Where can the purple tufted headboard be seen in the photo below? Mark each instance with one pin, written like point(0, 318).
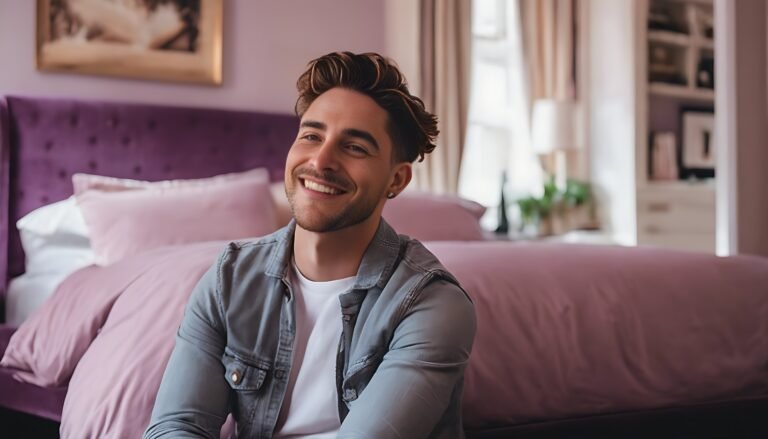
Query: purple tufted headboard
point(44, 141)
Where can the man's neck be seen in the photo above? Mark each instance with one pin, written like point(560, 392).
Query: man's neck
point(332, 255)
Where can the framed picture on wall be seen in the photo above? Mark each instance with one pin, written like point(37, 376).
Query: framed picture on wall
point(697, 155)
point(171, 40)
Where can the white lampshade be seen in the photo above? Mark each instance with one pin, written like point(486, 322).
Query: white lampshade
point(553, 125)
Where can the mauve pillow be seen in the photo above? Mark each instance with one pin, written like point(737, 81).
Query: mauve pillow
point(83, 182)
point(283, 212)
point(125, 223)
point(430, 217)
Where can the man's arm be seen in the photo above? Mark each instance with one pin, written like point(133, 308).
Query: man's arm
point(193, 396)
point(410, 392)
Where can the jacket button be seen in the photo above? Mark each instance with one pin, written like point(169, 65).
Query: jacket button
point(236, 376)
point(279, 374)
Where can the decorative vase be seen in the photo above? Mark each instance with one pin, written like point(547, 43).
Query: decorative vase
point(503, 227)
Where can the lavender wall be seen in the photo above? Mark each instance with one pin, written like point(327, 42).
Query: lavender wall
point(741, 126)
point(266, 46)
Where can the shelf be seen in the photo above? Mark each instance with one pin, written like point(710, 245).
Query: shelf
point(682, 92)
point(707, 185)
point(676, 38)
point(680, 39)
point(704, 43)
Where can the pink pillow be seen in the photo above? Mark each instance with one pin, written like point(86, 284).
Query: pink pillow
point(83, 182)
point(282, 206)
point(128, 222)
point(429, 217)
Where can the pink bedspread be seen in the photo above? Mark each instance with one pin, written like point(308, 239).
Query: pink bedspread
point(112, 390)
point(563, 331)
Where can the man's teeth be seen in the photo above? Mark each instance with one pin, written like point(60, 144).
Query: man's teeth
point(320, 188)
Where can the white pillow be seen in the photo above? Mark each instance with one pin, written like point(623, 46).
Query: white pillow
point(56, 244)
point(55, 218)
point(55, 238)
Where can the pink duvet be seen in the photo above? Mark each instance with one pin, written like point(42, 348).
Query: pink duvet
point(563, 331)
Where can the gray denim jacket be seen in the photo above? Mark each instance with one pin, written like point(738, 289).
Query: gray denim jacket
point(407, 334)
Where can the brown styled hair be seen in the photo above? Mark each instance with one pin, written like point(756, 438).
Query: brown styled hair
point(412, 128)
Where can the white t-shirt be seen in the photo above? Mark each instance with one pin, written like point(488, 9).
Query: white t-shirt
point(310, 407)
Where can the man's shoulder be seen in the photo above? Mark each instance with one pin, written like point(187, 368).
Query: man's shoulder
point(257, 255)
point(238, 251)
point(423, 268)
point(417, 256)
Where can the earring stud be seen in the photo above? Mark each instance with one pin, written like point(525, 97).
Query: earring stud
point(391, 195)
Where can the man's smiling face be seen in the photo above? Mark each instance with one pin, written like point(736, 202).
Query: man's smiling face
point(340, 167)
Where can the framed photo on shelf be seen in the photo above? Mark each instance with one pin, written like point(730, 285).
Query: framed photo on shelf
point(697, 152)
point(174, 40)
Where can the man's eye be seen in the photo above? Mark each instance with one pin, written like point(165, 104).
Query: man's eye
point(357, 149)
point(311, 137)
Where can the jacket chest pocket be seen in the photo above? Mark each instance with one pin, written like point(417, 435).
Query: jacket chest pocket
point(246, 380)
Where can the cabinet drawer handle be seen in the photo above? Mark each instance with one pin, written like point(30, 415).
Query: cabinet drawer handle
point(658, 207)
point(653, 230)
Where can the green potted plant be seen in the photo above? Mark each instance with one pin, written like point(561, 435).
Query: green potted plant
point(555, 211)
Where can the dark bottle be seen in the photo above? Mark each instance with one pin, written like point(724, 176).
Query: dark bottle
point(503, 226)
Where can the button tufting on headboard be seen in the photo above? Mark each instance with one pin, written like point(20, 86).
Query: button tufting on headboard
point(50, 139)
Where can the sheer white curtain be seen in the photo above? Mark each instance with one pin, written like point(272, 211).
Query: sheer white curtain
point(498, 134)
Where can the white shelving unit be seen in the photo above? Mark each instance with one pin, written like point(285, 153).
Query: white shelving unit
point(673, 214)
point(681, 92)
point(625, 104)
point(622, 107)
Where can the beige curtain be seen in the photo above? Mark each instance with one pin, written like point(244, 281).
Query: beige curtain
point(549, 29)
point(444, 64)
point(549, 56)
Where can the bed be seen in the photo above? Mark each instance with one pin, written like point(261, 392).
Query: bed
point(612, 342)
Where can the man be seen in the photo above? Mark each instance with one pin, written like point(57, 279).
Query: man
point(264, 337)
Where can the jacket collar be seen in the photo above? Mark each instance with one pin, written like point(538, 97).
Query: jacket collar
point(376, 266)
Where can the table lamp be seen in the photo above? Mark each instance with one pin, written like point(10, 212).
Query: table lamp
point(552, 133)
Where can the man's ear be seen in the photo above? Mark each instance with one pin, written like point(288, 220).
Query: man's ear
point(401, 176)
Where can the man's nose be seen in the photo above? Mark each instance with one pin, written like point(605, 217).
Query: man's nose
point(325, 157)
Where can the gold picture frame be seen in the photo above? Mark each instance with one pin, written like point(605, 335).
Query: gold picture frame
point(170, 40)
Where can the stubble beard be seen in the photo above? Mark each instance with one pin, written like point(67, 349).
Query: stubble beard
point(352, 214)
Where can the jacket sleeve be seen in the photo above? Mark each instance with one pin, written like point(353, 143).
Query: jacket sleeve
point(193, 400)
point(422, 374)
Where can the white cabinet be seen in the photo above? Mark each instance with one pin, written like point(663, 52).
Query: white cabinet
point(677, 217)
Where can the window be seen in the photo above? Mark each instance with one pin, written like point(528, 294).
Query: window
point(497, 132)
